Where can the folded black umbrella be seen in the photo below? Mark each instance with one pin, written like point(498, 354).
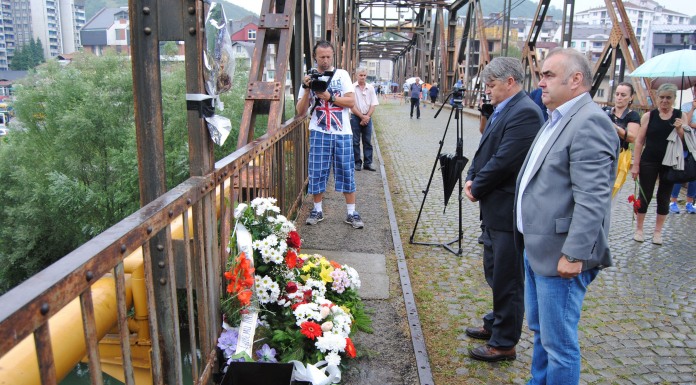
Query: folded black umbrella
point(451, 166)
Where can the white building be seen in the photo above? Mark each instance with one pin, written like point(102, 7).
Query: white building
point(641, 13)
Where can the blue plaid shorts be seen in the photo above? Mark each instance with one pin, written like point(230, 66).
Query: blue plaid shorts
point(325, 151)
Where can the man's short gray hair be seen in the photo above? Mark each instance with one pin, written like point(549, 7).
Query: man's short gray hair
point(502, 68)
point(360, 70)
point(577, 62)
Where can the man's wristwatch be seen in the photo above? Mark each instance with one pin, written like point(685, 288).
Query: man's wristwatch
point(332, 98)
point(571, 259)
point(305, 86)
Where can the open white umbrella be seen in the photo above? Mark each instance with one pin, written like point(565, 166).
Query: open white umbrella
point(678, 67)
point(413, 80)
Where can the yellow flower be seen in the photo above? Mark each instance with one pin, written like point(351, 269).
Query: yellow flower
point(326, 274)
point(345, 309)
point(308, 266)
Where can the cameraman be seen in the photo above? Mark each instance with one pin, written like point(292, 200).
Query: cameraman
point(330, 135)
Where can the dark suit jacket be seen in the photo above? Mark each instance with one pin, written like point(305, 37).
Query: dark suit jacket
point(566, 206)
point(500, 155)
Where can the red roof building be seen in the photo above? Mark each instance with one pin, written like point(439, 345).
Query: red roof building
point(246, 33)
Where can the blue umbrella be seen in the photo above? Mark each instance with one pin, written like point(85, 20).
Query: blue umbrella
point(678, 67)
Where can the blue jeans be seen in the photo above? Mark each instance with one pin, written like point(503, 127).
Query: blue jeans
point(363, 133)
point(553, 305)
point(690, 190)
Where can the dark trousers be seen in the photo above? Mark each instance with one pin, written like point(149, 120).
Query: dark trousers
point(649, 172)
point(415, 102)
point(504, 271)
point(363, 133)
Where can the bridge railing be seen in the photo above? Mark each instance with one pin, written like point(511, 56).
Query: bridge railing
point(98, 272)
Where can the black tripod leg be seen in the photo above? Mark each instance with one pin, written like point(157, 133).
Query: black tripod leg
point(430, 180)
point(459, 152)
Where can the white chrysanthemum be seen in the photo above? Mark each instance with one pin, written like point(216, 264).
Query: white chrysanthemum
point(282, 246)
point(333, 359)
point(287, 227)
point(240, 210)
point(263, 297)
point(354, 277)
point(341, 322)
point(266, 282)
point(330, 342)
point(318, 288)
point(305, 312)
point(276, 257)
point(272, 240)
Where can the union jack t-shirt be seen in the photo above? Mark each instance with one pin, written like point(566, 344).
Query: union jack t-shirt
point(329, 117)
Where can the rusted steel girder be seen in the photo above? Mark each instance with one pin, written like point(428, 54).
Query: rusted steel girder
point(623, 46)
point(276, 25)
point(145, 32)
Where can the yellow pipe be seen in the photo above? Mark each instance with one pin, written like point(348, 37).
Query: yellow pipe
point(20, 365)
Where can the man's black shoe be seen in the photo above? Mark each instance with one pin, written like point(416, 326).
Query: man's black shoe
point(493, 354)
point(369, 168)
point(358, 166)
point(479, 333)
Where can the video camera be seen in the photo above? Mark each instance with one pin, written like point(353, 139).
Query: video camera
point(319, 82)
point(457, 95)
point(486, 106)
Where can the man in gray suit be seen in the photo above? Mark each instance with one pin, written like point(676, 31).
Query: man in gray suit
point(491, 181)
point(562, 213)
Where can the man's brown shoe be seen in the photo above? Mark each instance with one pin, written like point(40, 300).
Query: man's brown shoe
point(493, 354)
point(480, 333)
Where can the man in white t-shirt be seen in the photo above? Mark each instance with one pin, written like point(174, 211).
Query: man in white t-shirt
point(361, 120)
point(330, 135)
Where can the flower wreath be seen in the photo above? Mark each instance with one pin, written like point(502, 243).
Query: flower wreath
point(308, 307)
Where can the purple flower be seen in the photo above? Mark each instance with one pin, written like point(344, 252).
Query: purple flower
point(266, 354)
point(228, 341)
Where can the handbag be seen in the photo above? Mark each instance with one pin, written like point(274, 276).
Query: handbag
point(624, 164)
point(688, 174)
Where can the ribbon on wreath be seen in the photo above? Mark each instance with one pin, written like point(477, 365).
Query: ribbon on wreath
point(330, 374)
point(247, 327)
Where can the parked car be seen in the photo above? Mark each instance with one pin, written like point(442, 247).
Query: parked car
point(3, 131)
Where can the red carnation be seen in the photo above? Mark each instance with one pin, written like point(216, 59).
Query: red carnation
point(294, 239)
point(291, 259)
point(631, 198)
point(311, 329)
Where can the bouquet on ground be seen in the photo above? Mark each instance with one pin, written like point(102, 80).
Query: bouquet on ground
point(307, 306)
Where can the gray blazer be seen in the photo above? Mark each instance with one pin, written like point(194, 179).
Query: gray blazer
point(567, 202)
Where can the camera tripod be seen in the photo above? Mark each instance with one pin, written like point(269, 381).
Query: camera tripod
point(452, 176)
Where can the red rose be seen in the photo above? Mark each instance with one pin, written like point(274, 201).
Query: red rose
point(291, 287)
point(294, 239)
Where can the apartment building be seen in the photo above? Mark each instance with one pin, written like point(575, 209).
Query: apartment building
point(56, 23)
point(643, 14)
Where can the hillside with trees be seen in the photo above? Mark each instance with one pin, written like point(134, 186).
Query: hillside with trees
point(232, 11)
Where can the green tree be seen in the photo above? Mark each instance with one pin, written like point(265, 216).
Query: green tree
point(27, 56)
point(70, 170)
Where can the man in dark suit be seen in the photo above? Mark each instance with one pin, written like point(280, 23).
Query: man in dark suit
point(491, 181)
point(562, 213)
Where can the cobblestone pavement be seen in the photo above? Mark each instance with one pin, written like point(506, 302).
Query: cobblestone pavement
point(638, 323)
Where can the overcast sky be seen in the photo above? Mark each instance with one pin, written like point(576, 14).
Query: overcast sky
point(684, 6)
